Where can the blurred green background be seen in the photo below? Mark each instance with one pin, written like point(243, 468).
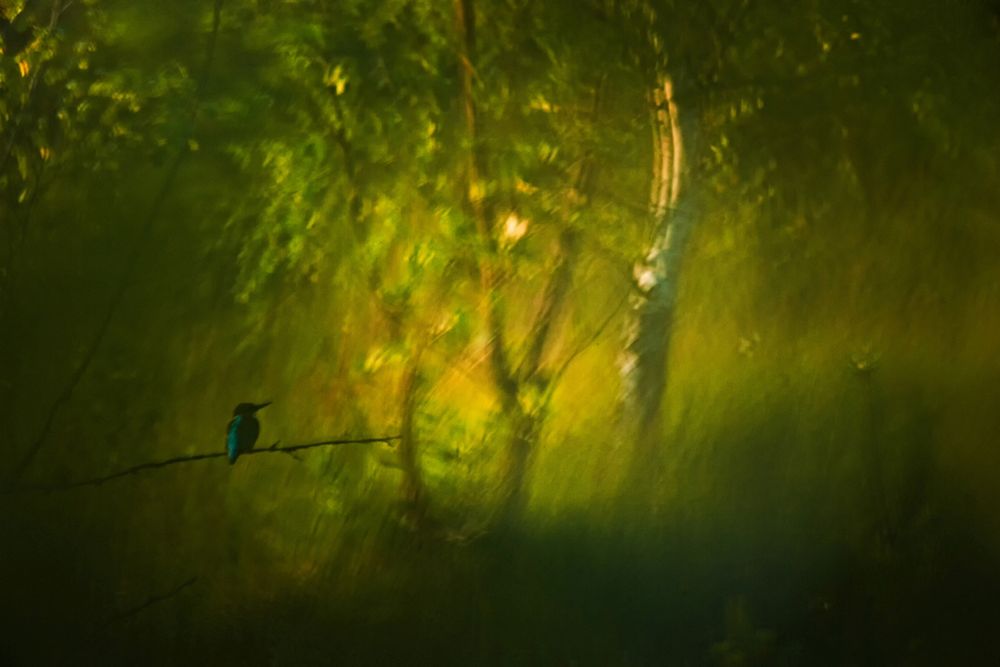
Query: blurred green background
point(686, 314)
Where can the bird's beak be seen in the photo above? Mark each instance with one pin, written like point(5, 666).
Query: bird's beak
point(258, 406)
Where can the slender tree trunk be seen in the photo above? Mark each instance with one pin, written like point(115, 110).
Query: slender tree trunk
point(528, 417)
point(507, 384)
point(413, 493)
point(525, 429)
point(644, 362)
point(478, 206)
point(518, 389)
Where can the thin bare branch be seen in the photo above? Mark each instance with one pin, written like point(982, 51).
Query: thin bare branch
point(152, 600)
point(273, 449)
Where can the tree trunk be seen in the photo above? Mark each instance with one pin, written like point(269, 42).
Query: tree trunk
point(519, 389)
point(414, 496)
point(525, 429)
point(643, 365)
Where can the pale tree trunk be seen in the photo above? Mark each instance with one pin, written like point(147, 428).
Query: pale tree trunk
point(643, 364)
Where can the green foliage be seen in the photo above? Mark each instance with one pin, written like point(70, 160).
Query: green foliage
point(317, 247)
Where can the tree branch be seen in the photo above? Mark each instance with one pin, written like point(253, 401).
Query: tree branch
point(97, 481)
point(590, 340)
point(151, 600)
point(562, 276)
point(555, 293)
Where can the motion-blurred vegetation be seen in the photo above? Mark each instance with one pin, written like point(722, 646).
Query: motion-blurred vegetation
point(685, 313)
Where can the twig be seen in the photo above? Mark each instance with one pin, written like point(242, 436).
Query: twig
point(97, 481)
point(590, 340)
point(151, 600)
point(70, 387)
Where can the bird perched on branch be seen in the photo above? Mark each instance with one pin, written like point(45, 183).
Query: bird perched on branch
point(243, 429)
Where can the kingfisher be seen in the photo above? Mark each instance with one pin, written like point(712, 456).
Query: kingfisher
point(243, 429)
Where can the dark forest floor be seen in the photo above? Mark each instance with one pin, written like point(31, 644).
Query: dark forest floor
point(567, 599)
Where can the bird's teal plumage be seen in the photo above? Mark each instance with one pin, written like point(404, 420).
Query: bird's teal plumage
point(232, 438)
point(243, 429)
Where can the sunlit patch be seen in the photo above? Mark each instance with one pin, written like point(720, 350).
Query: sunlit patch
point(646, 279)
point(747, 345)
point(23, 67)
point(627, 362)
point(336, 78)
point(476, 191)
point(866, 359)
point(539, 103)
point(525, 187)
point(514, 228)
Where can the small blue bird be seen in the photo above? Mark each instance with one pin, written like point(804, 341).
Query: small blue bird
point(243, 429)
